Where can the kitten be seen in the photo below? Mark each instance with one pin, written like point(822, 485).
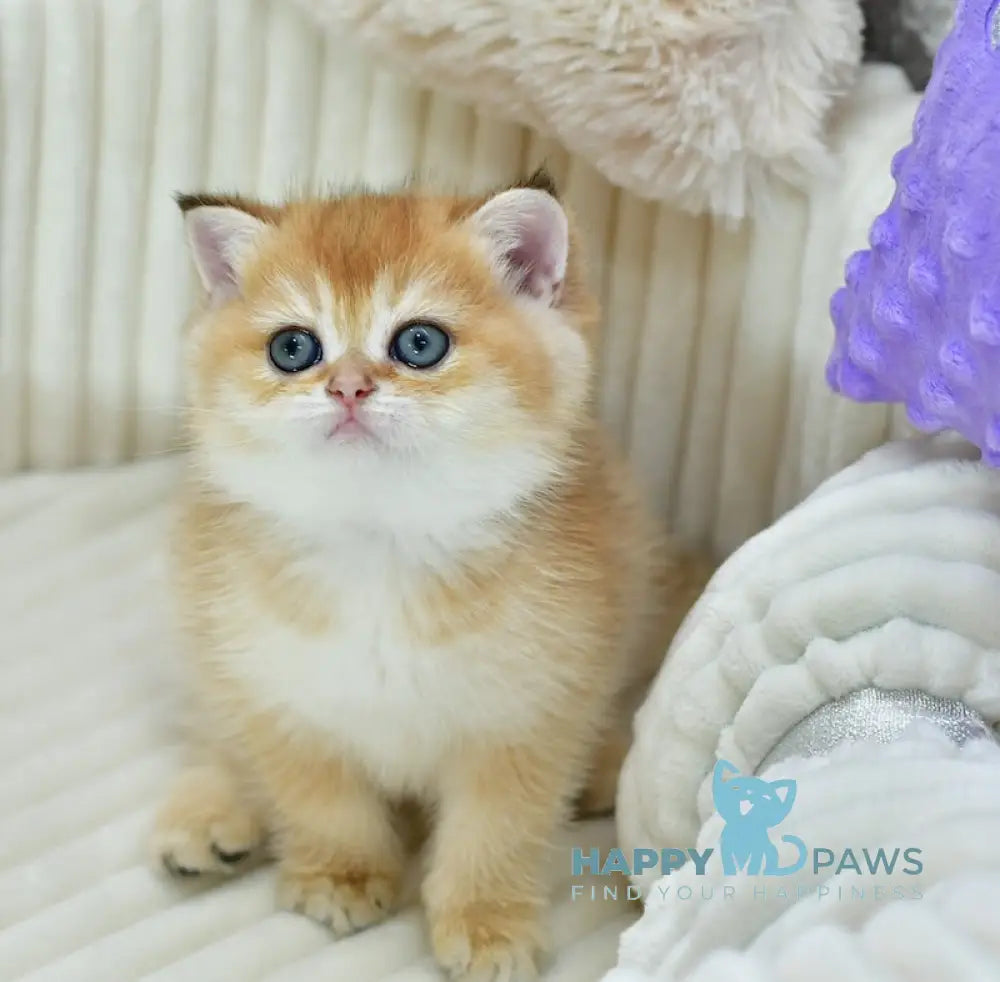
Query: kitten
point(408, 565)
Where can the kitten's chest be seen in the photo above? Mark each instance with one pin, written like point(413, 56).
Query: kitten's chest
point(380, 673)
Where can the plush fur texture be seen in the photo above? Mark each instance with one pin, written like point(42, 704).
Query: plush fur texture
point(697, 102)
point(431, 586)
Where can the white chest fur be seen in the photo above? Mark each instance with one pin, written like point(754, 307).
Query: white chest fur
point(396, 702)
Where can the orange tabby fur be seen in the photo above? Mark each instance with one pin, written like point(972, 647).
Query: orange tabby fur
point(494, 673)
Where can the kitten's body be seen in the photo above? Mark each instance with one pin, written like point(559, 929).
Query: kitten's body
point(412, 649)
point(455, 601)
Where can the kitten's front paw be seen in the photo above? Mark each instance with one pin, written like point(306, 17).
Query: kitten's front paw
point(487, 942)
point(204, 826)
point(346, 900)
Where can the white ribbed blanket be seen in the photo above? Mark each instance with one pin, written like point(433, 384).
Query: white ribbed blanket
point(921, 792)
point(86, 746)
point(888, 575)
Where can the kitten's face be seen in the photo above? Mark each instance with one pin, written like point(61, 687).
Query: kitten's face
point(386, 339)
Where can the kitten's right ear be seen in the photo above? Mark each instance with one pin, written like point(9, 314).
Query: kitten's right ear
point(528, 237)
point(222, 237)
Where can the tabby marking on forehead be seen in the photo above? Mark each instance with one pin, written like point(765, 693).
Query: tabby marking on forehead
point(300, 306)
point(392, 307)
point(287, 304)
point(325, 302)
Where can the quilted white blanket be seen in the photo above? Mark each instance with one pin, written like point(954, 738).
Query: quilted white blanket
point(86, 744)
point(921, 793)
point(888, 575)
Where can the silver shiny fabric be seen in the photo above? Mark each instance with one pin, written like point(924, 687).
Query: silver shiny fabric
point(995, 29)
point(876, 714)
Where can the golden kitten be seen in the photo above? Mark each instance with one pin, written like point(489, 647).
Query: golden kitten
point(408, 565)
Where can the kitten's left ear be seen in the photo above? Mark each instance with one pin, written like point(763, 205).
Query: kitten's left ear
point(222, 237)
point(527, 233)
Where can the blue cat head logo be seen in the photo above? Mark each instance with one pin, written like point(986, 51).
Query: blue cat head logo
point(749, 807)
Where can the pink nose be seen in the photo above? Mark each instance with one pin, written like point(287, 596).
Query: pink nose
point(350, 387)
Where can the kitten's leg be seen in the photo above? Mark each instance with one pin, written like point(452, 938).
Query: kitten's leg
point(601, 788)
point(340, 857)
point(680, 580)
point(487, 887)
point(206, 825)
point(598, 794)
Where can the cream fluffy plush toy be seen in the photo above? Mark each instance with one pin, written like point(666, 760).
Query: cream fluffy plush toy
point(697, 102)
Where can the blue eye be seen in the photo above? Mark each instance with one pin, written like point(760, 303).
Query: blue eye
point(419, 345)
point(294, 349)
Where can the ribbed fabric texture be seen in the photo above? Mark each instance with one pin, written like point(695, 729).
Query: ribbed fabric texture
point(885, 576)
point(921, 792)
point(86, 752)
point(712, 368)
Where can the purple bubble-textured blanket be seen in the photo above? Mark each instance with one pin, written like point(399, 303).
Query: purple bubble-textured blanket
point(918, 320)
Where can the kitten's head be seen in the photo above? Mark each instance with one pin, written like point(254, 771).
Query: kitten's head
point(402, 351)
point(741, 798)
